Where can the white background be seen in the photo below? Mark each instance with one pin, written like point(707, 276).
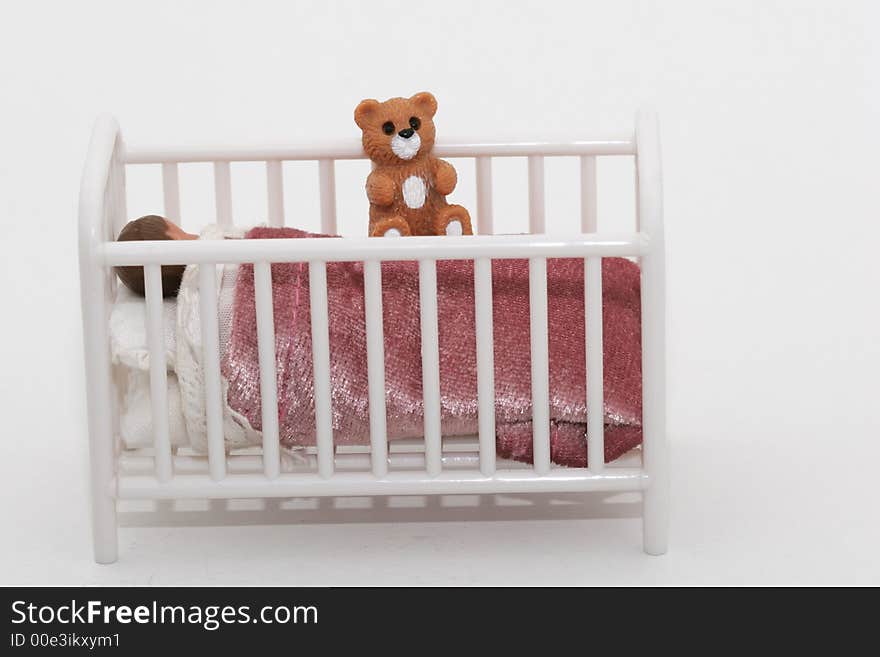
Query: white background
point(769, 125)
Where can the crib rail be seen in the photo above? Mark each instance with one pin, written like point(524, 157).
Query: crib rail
point(328, 249)
point(379, 471)
point(393, 483)
point(326, 156)
point(622, 144)
point(458, 453)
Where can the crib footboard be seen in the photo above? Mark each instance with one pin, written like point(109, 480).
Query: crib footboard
point(433, 465)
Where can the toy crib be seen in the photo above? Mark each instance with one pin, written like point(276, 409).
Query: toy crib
point(432, 466)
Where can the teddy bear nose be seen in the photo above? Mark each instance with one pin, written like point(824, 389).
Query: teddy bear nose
point(406, 134)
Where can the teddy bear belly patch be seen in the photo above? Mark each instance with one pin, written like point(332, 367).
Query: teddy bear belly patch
point(414, 192)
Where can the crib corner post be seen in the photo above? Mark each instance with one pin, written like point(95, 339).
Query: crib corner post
point(655, 445)
point(102, 450)
point(101, 435)
point(101, 209)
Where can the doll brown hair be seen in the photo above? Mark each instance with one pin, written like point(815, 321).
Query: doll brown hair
point(151, 227)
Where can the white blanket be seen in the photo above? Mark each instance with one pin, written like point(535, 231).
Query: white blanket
point(190, 361)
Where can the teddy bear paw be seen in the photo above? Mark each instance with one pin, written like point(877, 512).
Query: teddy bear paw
point(453, 220)
point(394, 226)
point(453, 227)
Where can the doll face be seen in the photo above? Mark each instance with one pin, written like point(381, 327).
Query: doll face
point(175, 232)
point(399, 129)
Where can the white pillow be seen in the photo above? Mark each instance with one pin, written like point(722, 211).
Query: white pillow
point(136, 411)
point(128, 330)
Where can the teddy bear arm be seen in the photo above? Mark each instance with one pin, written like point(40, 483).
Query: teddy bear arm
point(380, 189)
point(445, 177)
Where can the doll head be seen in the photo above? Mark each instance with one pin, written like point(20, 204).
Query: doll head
point(399, 129)
point(152, 227)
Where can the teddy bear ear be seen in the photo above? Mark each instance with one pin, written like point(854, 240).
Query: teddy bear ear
point(365, 111)
point(425, 102)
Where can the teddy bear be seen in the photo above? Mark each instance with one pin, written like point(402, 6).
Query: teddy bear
point(408, 186)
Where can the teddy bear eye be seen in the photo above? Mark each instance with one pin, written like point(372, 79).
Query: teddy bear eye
point(414, 123)
point(388, 128)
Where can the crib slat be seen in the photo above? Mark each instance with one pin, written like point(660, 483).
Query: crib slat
point(327, 178)
point(321, 366)
point(589, 214)
point(540, 356)
point(536, 194)
point(171, 191)
point(158, 374)
point(268, 384)
point(275, 190)
point(223, 193)
point(211, 355)
point(376, 366)
point(595, 394)
point(484, 196)
point(430, 364)
point(485, 363)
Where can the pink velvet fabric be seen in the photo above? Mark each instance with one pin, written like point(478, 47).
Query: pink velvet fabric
point(458, 385)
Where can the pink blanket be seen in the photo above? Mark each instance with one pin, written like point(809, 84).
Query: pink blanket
point(458, 385)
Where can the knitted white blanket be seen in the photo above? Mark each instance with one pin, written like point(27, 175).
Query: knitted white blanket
point(190, 355)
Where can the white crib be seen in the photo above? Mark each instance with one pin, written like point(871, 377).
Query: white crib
point(432, 466)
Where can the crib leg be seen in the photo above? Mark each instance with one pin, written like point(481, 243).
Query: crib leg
point(102, 451)
point(655, 514)
point(103, 461)
point(106, 546)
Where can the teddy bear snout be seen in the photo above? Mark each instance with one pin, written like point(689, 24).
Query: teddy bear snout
point(406, 144)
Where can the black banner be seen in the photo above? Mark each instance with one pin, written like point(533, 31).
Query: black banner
point(159, 620)
point(137, 619)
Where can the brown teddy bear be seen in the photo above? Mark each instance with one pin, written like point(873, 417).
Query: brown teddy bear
point(407, 188)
